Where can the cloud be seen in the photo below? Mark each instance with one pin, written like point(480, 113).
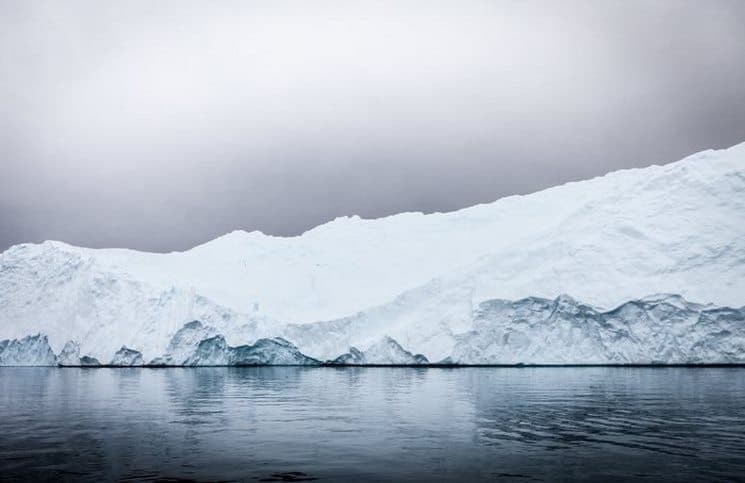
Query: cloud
point(161, 125)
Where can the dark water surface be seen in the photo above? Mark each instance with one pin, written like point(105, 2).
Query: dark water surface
point(373, 424)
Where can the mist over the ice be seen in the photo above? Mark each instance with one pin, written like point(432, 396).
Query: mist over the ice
point(161, 125)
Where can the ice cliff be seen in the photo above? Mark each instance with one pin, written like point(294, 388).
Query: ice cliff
point(659, 329)
point(663, 329)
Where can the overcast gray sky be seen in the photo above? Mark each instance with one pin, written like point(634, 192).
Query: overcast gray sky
point(160, 125)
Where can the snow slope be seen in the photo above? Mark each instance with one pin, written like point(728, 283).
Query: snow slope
point(678, 228)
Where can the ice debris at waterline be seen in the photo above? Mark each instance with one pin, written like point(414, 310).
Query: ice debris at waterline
point(659, 329)
point(426, 281)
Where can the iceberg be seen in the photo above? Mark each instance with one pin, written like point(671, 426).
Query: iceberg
point(482, 285)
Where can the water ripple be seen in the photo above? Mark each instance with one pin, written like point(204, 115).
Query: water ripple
point(372, 424)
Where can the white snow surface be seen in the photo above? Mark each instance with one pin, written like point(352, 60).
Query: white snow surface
point(678, 228)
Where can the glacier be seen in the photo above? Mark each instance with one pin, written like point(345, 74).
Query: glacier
point(473, 286)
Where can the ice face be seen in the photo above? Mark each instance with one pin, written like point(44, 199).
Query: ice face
point(275, 351)
point(354, 357)
point(653, 330)
point(385, 352)
point(659, 329)
point(32, 350)
point(184, 343)
point(88, 361)
point(127, 357)
point(70, 355)
point(215, 351)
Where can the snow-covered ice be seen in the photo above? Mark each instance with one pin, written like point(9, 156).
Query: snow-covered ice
point(429, 282)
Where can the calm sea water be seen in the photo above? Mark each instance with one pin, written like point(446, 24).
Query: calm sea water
point(373, 424)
